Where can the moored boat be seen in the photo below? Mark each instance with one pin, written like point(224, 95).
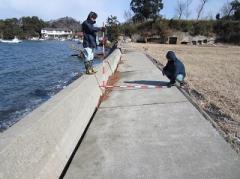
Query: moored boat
point(15, 40)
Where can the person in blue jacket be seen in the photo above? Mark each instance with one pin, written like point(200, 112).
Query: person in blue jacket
point(89, 41)
point(174, 69)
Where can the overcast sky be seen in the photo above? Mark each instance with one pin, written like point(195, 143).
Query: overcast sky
point(79, 9)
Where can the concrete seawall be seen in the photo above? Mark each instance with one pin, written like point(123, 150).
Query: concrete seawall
point(150, 133)
point(40, 145)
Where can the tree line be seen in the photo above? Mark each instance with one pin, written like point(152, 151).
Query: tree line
point(27, 27)
point(150, 9)
point(145, 19)
point(23, 28)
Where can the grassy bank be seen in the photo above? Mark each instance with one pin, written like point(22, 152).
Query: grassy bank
point(225, 31)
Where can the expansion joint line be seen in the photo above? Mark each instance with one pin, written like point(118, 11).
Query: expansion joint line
point(146, 104)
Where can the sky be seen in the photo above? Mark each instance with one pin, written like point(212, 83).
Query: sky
point(79, 9)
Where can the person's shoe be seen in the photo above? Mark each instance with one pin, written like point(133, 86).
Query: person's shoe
point(182, 84)
point(89, 72)
point(169, 85)
point(93, 70)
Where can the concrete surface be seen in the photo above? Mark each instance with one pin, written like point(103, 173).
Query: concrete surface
point(155, 133)
point(40, 145)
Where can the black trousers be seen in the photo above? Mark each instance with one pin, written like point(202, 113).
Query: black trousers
point(170, 76)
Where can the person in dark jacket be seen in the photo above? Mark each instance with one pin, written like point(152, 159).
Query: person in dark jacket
point(174, 69)
point(89, 41)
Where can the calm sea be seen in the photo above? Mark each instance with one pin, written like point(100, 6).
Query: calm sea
point(31, 73)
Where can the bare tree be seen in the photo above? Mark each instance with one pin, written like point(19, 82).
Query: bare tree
point(201, 7)
point(227, 9)
point(180, 8)
point(128, 15)
point(187, 10)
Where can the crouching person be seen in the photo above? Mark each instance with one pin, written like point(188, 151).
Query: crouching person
point(174, 69)
point(89, 41)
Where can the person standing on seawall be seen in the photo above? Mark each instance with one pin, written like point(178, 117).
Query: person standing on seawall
point(89, 41)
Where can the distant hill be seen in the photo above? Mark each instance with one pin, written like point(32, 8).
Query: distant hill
point(65, 22)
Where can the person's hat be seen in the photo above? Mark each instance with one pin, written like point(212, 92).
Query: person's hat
point(92, 15)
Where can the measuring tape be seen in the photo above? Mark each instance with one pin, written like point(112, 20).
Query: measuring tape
point(132, 86)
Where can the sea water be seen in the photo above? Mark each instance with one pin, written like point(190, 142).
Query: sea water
point(31, 73)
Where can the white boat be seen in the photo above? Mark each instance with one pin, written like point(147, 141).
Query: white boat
point(34, 39)
point(37, 39)
point(15, 40)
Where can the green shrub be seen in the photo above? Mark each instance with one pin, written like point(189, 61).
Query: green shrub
point(128, 29)
point(227, 31)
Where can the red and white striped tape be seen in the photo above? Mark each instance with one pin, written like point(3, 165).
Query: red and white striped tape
point(104, 80)
point(132, 86)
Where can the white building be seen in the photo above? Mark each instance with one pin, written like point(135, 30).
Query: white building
point(56, 33)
